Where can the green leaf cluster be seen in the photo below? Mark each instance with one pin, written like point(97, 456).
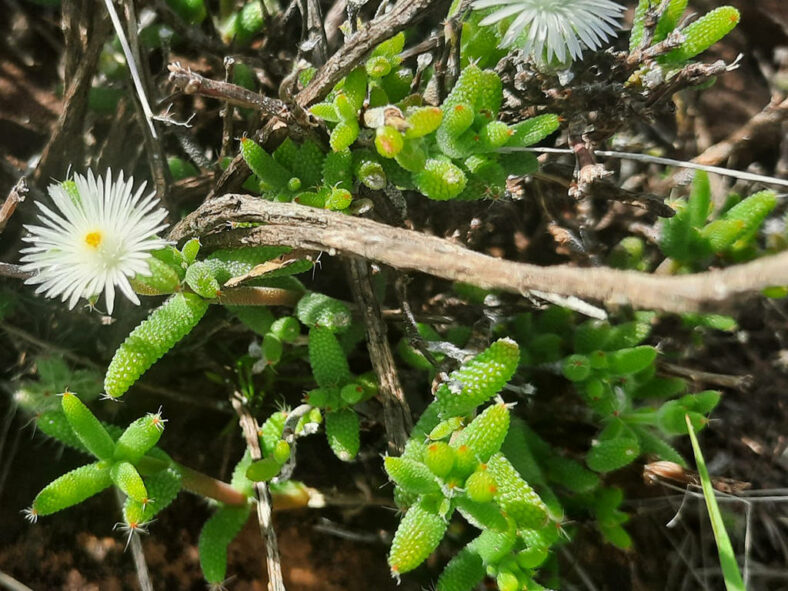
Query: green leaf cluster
point(454, 462)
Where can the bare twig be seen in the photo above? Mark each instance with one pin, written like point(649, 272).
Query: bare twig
point(743, 382)
point(313, 35)
point(396, 413)
point(14, 198)
point(66, 136)
point(10, 583)
point(334, 18)
point(227, 110)
point(192, 83)
point(141, 78)
point(313, 229)
point(767, 122)
point(14, 271)
point(273, 565)
point(404, 14)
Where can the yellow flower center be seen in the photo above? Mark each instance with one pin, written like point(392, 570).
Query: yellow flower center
point(93, 239)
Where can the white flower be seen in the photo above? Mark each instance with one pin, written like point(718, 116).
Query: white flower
point(547, 28)
point(102, 234)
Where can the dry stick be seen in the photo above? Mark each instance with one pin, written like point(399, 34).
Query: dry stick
point(334, 17)
point(273, 564)
point(10, 583)
point(396, 412)
point(141, 78)
point(67, 135)
point(743, 382)
point(765, 122)
point(227, 111)
point(404, 14)
point(14, 271)
point(314, 229)
point(312, 32)
point(192, 83)
point(14, 198)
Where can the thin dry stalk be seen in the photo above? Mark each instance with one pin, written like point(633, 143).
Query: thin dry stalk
point(396, 412)
point(14, 198)
point(66, 135)
point(264, 507)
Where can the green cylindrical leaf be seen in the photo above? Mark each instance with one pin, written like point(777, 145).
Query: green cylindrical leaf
point(629, 361)
point(515, 496)
point(272, 174)
point(479, 379)
point(423, 121)
point(576, 368)
point(328, 360)
point(485, 434)
point(139, 437)
point(413, 476)
point(315, 309)
point(87, 427)
point(72, 488)
point(163, 279)
point(439, 458)
point(263, 470)
point(611, 454)
point(533, 130)
point(463, 572)
point(703, 33)
point(418, 534)
point(481, 487)
point(440, 179)
point(156, 335)
point(127, 479)
point(199, 276)
point(216, 535)
point(342, 431)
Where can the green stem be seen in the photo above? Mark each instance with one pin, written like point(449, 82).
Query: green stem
point(259, 296)
point(209, 487)
point(641, 418)
point(294, 496)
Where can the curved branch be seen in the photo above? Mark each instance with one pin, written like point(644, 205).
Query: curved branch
point(404, 14)
point(320, 230)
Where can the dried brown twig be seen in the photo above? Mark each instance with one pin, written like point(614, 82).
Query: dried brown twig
point(402, 15)
point(66, 136)
point(192, 83)
point(264, 508)
point(15, 196)
point(320, 230)
point(396, 412)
